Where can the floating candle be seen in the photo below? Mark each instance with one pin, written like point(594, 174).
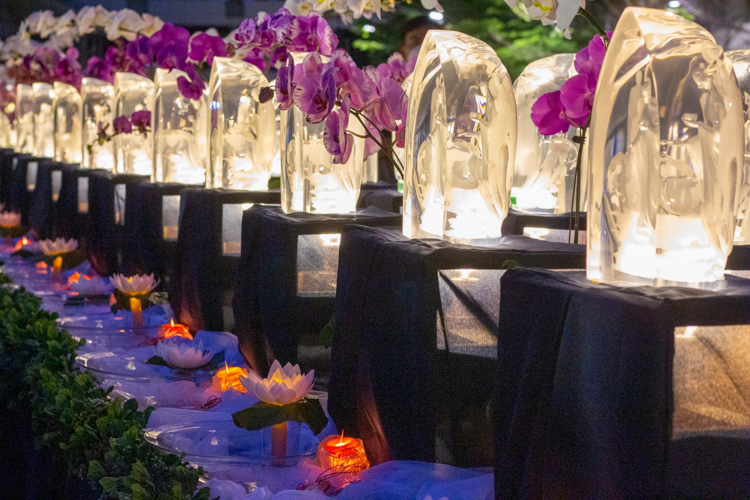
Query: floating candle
point(343, 454)
point(229, 378)
point(173, 329)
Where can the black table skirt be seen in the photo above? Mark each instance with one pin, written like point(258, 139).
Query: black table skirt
point(583, 398)
point(69, 223)
point(269, 314)
point(44, 203)
point(383, 195)
point(20, 196)
point(6, 174)
point(201, 274)
point(390, 385)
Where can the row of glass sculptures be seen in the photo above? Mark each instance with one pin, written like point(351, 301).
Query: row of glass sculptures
point(667, 192)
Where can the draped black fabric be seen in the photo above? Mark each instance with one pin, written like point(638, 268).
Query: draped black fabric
point(147, 251)
point(6, 174)
point(103, 235)
point(200, 273)
point(388, 383)
point(516, 221)
point(583, 399)
point(43, 207)
point(68, 222)
point(739, 258)
point(20, 196)
point(268, 312)
point(382, 195)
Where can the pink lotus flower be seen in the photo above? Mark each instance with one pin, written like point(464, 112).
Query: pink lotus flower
point(548, 114)
point(336, 139)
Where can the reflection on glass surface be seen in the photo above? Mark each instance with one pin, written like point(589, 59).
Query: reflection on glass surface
point(544, 169)
point(44, 120)
point(310, 181)
point(317, 264)
point(24, 119)
point(665, 153)
point(180, 132)
point(67, 113)
point(133, 151)
point(97, 98)
point(460, 142)
point(7, 129)
point(242, 130)
point(741, 64)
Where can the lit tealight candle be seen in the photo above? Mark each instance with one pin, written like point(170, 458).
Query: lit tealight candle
point(173, 329)
point(21, 243)
point(229, 378)
point(345, 454)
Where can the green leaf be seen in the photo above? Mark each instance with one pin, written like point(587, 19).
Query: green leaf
point(140, 473)
point(511, 264)
point(305, 411)
point(326, 335)
point(274, 183)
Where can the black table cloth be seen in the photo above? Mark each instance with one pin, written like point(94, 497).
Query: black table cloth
point(44, 199)
point(201, 274)
point(69, 221)
point(103, 235)
point(20, 196)
point(269, 313)
point(147, 251)
point(390, 385)
point(383, 195)
point(517, 221)
point(583, 400)
point(6, 174)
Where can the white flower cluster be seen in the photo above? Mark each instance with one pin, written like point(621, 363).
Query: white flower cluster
point(62, 32)
point(351, 9)
point(561, 12)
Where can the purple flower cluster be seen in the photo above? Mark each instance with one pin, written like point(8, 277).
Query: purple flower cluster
point(140, 120)
point(47, 65)
point(555, 112)
point(316, 87)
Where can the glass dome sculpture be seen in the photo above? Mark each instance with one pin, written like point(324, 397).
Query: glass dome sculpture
point(460, 142)
point(741, 64)
point(67, 113)
point(242, 130)
point(133, 152)
point(97, 106)
point(44, 120)
point(7, 127)
point(180, 132)
point(545, 165)
point(24, 119)
point(310, 181)
point(665, 155)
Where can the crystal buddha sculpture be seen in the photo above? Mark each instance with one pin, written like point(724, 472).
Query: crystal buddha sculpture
point(741, 64)
point(665, 154)
point(460, 142)
point(44, 120)
point(67, 119)
point(97, 106)
point(7, 127)
point(133, 152)
point(24, 119)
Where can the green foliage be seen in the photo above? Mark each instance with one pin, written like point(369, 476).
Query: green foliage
point(305, 411)
point(326, 335)
point(93, 435)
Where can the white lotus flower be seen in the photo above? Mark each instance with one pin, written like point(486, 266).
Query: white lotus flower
point(282, 386)
point(10, 219)
point(182, 355)
point(549, 11)
point(134, 285)
point(125, 23)
point(59, 246)
point(91, 286)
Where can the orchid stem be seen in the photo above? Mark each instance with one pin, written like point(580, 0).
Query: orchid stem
point(394, 159)
point(601, 31)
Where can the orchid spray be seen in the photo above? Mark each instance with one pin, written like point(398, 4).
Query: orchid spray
point(140, 122)
point(556, 112)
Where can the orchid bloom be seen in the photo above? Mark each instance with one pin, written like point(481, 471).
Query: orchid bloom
point(549, 11)
point(337, 140)
point(134, 285)
point(282, 386)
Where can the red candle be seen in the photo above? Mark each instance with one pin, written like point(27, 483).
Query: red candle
point(341, 444)
point(342, 454)
point(229, 378)
point(174, 330)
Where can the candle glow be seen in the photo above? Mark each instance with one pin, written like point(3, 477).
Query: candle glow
point(167, 331)
point(342, 454)
point(229, 378)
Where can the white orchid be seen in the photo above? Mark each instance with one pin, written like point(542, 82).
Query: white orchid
point(151, 24)
point(89, 18)
point(41, 23)
point(91, 286)
point(134, 285)
point(432, 4)
point(282, 386)
point(181, 354)
point(125, 23)
point(59, 246)
point(10, 219)
point(549, 11)
point(298, 7)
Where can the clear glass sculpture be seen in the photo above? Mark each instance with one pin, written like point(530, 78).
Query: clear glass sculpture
point(665, 155)
point(460, 142)
point(133, 152)
point(741, 64)
point(7, 127)
point(545, 165)
point(97, 101)
point(24, 119)
point(67, 113)
point(310, 181)
point(180, 132)
point(44, 120)
point(276, 163)
point(242, 130)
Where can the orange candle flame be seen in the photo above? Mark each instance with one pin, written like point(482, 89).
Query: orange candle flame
point(21, 243)
point(174, 330)
point(229, 378)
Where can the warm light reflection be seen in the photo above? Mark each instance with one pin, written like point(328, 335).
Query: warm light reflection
point(229, 378)
point(331, 240)
point(342, 454)
point(22, 243)
point(167, 331)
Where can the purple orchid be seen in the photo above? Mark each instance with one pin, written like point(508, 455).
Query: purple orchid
point(548, 114)
point(192, 86)
point(315, 95)
point(388, 107)
point(141, 120)
point(337, 140)
point(69, 69)
point(170, 45)
point(312, 33)
point(350, 79)
point(285, 85)
point(101, 69)
point(395, 68)
point(205, 47)
point(246, 32)
point(577, 95)
point(257, 57)
point(590, 59)
point(122, 125)
point(140, 51)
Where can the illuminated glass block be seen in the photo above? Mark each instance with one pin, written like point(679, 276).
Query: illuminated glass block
point(170, 216)
point(370, 171)
point(97, 98)
point(544, 168)
point(242, 130)
point(44, 120)
point(7, 128)
point(67, 112)
point(180, 132)
point(24, 119)
point(468, 321)
point(317, 264)
point(553, 235)
point(460, 142)
point(133, 152)
point(120, 198)
point(310, 181)
point(664, 157)
point(83, 195)
point(56, 184)
point(231, 228)
point(741, 64)
point(32, 168)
